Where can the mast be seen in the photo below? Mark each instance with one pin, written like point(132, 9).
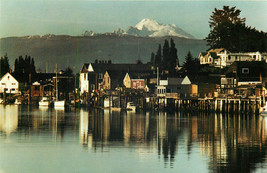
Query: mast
point(56, 85)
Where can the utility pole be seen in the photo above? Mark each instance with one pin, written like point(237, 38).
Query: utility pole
point(74, 86)
point(30, 91)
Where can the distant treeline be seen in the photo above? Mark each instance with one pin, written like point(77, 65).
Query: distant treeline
point(21, 66)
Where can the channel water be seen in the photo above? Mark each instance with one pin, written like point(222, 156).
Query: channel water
point(45, 140)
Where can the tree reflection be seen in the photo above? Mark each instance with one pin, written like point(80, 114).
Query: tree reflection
point(233, 143)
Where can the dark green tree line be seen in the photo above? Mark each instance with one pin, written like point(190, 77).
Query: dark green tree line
point(166, 58)
point(228, 30)
point(191, 64)
point(24, 65)
point(4, 65)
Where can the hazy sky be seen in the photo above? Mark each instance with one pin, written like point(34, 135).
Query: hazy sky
point(39, 17)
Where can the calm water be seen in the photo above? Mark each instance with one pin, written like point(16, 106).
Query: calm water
point(48, 140)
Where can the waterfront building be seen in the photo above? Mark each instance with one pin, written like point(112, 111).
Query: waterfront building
point(91, 75)
point(132, 81)
point(8, 84)
point(222, 57)
point(214, 57)
point(172, 86)
point(111, 80)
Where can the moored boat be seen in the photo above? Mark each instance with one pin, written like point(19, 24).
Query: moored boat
point(17, 102)
point(45, 101)
point(58, 103)
point(263, 110)
point(131, 106)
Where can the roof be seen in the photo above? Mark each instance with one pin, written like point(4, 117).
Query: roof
point(218, 50)
point(213, 55)
point(116, 78)
point(103, 67)
point(256, 70)
point(6, 75)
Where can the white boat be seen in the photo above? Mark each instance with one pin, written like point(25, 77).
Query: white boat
point(131, 106)
point(17, 102)
point(263, 110)
point(45, 101)
point(58, 103)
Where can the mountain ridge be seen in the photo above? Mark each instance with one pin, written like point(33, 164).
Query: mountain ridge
point(72, 51)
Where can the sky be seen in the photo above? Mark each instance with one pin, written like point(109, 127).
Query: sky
point(40, 17)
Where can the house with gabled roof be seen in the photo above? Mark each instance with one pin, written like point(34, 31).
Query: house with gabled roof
point(172, 86)
point(112, 80)
point(8, 84)
point(91, 75)
point(214, 57)
point(136, 80)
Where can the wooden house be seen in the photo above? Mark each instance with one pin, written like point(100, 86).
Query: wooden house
point(171, 86)
point(214, 57)
point(92, 75)
point(133, 80)
point(8, 84)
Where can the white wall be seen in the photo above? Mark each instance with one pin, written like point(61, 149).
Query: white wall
point(84, 83)
point(9, 83)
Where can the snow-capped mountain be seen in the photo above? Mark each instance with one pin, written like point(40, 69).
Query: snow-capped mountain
point(118, 31)
point(148, 28)
point(88, 33)
point(151, 28)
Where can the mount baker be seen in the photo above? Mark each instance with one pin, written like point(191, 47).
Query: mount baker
point(149, 28)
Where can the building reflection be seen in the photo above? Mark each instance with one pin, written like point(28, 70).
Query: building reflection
point(8, 119)
point(232, 143)
point(222, 138)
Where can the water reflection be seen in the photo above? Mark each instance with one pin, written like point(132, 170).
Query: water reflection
point(225, 143)
point(8, 119)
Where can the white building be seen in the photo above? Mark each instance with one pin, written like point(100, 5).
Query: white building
point(222, 57)
point(247, 56)
point(9, 84)
point(171, 87)
point(215, 57)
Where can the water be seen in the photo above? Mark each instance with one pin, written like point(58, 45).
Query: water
point(49, 140)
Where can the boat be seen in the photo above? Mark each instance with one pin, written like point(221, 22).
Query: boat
point(17, 102)
point(58, 103)
point(45, 101)
point(263, 110)
point(131, 106)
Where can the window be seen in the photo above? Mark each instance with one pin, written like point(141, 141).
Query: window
point(13, 89)
point(3, 83)
point(13, 83)
point(229, 57)
point(245, 70)
point(100, 76)
point(84, 76)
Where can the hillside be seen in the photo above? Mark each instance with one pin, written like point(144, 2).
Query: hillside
point(76, 50)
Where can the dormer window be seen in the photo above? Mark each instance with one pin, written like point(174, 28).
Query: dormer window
point(100, 76)
point(245, 70)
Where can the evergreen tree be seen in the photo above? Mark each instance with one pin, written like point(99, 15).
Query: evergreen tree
point(4, 65)
point(158, 60)
point(228, 30)
point(166, 55)
point(152, 59)
point(24, 66)
point(191, 65)
point(173, 57)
